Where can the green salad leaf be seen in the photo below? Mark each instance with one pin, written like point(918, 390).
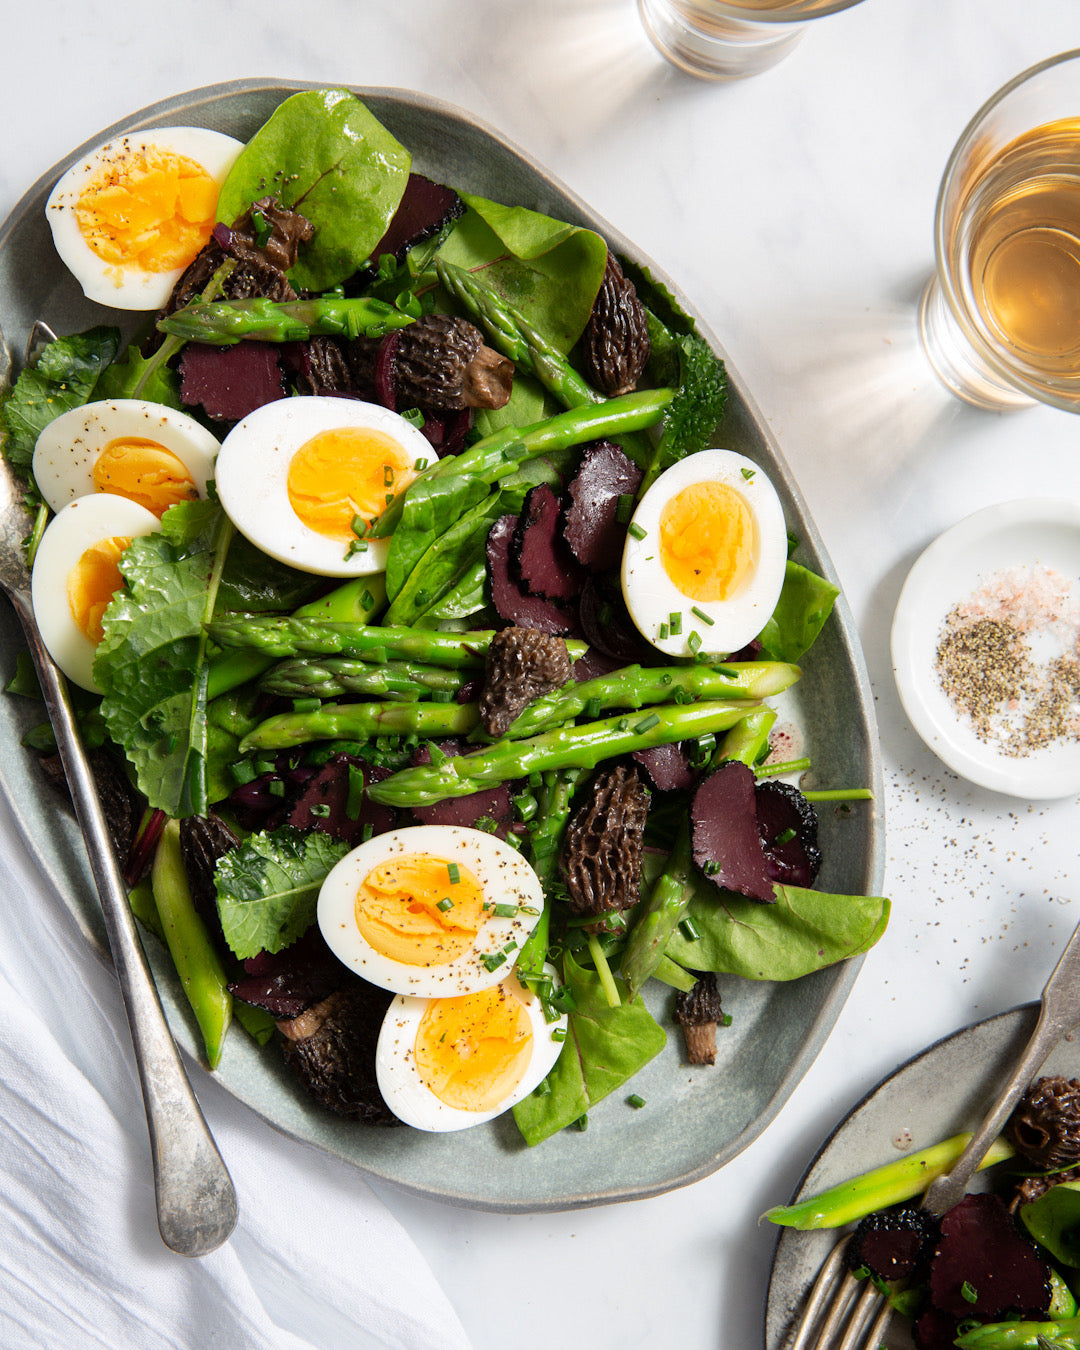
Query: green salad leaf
point(604, 1047)
point(151, 663)
point(803, 931)
point(1053, 1220)
point(134, 376)
point(268, 887)
point(64, 376)
point(806, 601)
point(324, 153)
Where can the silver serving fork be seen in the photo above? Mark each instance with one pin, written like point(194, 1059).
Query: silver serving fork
point(196, 1201)
point(843, 1313)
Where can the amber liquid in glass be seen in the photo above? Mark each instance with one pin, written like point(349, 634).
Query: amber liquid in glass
point(1019, 242)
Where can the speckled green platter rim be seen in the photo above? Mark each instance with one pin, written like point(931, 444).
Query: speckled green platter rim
point(696, 1119)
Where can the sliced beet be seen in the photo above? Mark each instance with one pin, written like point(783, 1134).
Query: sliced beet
point(607, 624)
point(593, 531)
point(446, 432)
point(489, 804)
point(538, 551)
point(983, 1265)
point(724, 831)
point(787, 824)
point(230, 382)
point(324, 801)
point(425, 207)
point(892, 1243)
point(286, 983)
point(935, 1330)
point(593, 663)
point(512, 602)
point(668, 766)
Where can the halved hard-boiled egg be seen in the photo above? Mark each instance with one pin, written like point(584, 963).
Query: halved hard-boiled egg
point(77, 572)
point(449, 1063)
point(144, 451)
point(430, 910)
point(300, 476)
point(705, 555)
point(129, 217)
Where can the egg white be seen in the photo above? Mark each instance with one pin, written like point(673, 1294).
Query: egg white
point(504, 876)
point(652, 597)
point(128, 287)
point(77, 527)
point(413, 1102)
point(253, 469)
point(67, 449)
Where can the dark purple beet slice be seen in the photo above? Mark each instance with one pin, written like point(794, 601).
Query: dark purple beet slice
point(446, 431)
point(230, 382)
point(512, 602)
point(935, 1330)
point(891, 1243)
point(724, 827)
point(593, 663)
point(386, 371)
point(488, 804)
point(593, 531)
point(324, 799)
point(538, 552)
point(607, 624)
point(425, 207)
point(668, 766)
point(787, 824)
point(983, 1253)
point(291, 980)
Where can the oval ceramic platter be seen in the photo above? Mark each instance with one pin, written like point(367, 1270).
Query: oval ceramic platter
point(697, 1120)
point(947, 1088)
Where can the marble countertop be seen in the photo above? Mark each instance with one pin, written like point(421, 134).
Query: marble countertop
point(796, 209)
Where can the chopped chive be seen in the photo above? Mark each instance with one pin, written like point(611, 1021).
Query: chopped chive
point(265, 766)
point(438, 754)
point(725, 1019)
point(635, 1101)
point(389, 498)
point(243, 771)
point(785, 836)
point(506, 911)
point(355, 799)
point(388, 475)
point(367, 601)
point(487, 823)
point(711, 868)
point(320, 810)
point(582, 1123)
point(559, 1034)
point(694, 642)
point(529, 910)
point(683, 696)
point(623, 724)
point(705, 618)
point(663, 632)
point(306, 705)
point(689, 930)
point(441, 696)
point(635, 531)
point(647, 724)
point(453, 871)
point(514, 840)
point(276, 788)
point(625, 508)
point(359, 526)
point(747, 473)
point(366, 833)
point(592, 709)
point(536, 779)
point(419, 464)
point(510, 947)
point(665, 680)
point(675, 622)
point(968, 1292)
point(445, 904)
point(493, 960)
point(542, 1089)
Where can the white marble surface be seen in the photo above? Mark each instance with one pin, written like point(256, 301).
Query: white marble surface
point(796, 210)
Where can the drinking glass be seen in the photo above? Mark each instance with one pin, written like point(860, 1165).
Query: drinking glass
point(1000, 317)
point(728, 39)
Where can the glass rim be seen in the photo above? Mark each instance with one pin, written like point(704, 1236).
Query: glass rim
point(943, 267)
point(790, 14)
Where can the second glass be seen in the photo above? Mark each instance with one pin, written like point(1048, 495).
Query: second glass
point(729, 39)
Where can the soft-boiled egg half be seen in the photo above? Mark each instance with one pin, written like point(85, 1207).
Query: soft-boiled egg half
point(128, 217)
point(430, 910)
point(143, 451)
point(448, 1063)
point(705, 555)
point(298, 476)
point(77, 572)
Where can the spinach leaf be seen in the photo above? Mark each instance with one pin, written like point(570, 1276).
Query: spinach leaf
point(134, 376)
point(151, 663)
point(268, 887)
point(804, 930)
point(431, 507)
point(604, 1047)
point(63, 377)
point(229, 718)
point(257, 584)
point(1054, 1222)
point(325, 154)
point(806, 601)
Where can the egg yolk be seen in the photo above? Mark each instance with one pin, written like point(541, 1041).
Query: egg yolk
point(149, 209)
point(707, 541)
point(473, 1051)
point(344, 473)
point(420, 910)
point(93, 582)
point(144, 472)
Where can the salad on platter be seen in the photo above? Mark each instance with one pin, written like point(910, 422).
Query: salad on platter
point(432, 658)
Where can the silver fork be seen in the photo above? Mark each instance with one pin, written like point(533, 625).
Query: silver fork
point(837, 1316)
point(196, 1201)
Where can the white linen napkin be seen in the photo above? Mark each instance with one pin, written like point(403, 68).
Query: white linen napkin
point(316, 1260)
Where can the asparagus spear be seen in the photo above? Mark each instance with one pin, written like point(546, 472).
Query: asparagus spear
point(581, 747)
point(544, 843)
point(357, 721)
point(636, 686)
point(401, 681)
point(1063, 1334)
point(223, 322)
point(279, 638)
point(512, 334)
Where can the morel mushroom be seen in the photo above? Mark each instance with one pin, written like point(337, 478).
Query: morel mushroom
point(602, 848)
point(615, 344)
point(697, 1011)
point(1045, 1126)
point(521, 665)
point(438, 363)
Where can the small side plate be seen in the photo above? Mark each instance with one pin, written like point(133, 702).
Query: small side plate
point(1025, 533)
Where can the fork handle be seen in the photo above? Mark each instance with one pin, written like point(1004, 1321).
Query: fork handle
point(1059, 1013)
point(196, 1200)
